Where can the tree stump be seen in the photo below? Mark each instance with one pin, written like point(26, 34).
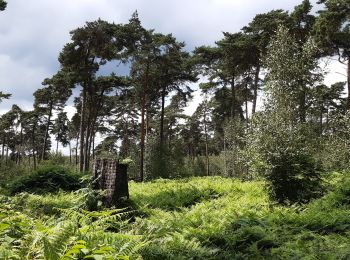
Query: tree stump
point(112, 177)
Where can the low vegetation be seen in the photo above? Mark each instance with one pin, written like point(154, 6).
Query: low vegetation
point(47, 179)
point(195, 218)
point(249, 175)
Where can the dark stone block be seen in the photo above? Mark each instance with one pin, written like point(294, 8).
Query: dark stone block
point(113, 178)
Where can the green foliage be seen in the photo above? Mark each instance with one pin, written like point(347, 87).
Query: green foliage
point(46, 179)
point(172, 195)
point(241, 223)
point(76, 235)
point(163, 161)
point(293, 176)
point(11, 170)
point(195, 218)
point(3, 5)
point(281, 144)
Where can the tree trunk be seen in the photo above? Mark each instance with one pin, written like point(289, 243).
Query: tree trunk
point(255, 91)
point(86, 148)
point(3, 147)
point(76, 150)
point(206, 136)
point(88, 152)
point(302, 104)
point(7, 154)
point(348, 74)
point(143, 107)
point(142, 144)
point(246, 101)
point(241, 113)
point(70, 153)
point(321, 121)
point(46, 131)
point(206, 147)
point(161, 130)
point(33, 144)
point(327, 119)
point(20, 146)
point(56, 146)
point(233, 98)
point(82, 131)
point(93, 146)
point(225, 159)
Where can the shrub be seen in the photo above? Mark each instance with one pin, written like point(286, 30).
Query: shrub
point(285, 154)
point(294, 177)
point(47, 179)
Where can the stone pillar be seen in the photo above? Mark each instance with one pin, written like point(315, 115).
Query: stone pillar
point(111, 177)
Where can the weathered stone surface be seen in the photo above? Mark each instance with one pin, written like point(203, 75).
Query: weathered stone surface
point(111, 177)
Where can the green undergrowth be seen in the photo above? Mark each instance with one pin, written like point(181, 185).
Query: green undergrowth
point(195, 218)
point(50, 178)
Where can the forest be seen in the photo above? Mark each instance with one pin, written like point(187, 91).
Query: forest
point(259, 170)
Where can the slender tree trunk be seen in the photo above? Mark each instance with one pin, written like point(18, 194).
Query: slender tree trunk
point(302, 105)
point(225, 159)
point(91, 134)
point(233, 98)
point(93, 146)
point(96, 104)
point(206, 147)
point(76, 150)
point(33, 144)
point(34, 159)
point(20, 146)
point(327, 119)
point(142, 144)
point(76, 153)
point(124, 151)
point(321, 122)
point(348, 74)
point(7, 154)
point(161, 129)
point(70, 153)
point(161, 132)
point(47, 131)
point(143, 133)
point(206, 137)
point(3, 147)
point(57, 146)
point(82, 130)
point(146, 136)
point(246, 101)
point(255, 90)
point(87, 142)
point(241, 113)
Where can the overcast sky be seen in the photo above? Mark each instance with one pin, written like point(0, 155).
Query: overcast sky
point(32, 33)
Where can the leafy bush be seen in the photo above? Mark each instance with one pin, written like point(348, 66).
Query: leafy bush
point(285, 155)
point(293, 177)
point(47, 179)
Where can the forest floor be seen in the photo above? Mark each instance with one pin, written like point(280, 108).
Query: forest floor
point(196, 218)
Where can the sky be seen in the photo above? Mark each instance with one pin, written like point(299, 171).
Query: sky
point(32, 33)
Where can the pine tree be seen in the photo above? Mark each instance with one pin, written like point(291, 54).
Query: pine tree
point(3, 5)
point(332, 30)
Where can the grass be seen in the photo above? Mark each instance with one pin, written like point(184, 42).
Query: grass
point(195, 218)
